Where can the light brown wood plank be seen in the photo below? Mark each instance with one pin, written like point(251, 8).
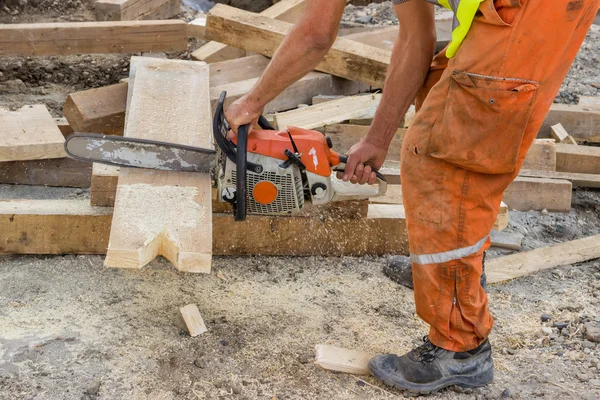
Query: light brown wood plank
point(193, 320)
point(526, 193)
point(129, 10)
point(521, 264)
point(345, 136)
point(64, 38)
point(560, 134)
point(54, 172)
point(581, 121)
point(579, 180)
point(578, 159)
point(30, 134)
point(342, 360)
point(541, 155)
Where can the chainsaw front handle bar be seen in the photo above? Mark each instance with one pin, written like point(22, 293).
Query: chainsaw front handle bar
point(345, 191)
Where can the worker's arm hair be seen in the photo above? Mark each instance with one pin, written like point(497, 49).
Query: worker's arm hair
point(411, 58)
point(302, 49)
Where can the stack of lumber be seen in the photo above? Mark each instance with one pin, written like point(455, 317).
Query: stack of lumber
point(133, 215)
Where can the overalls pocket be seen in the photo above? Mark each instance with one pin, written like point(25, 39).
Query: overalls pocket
point(483, 122)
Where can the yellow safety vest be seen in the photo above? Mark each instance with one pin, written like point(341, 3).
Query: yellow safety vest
point(464, 13)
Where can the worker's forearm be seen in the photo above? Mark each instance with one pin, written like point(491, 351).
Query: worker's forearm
point(296, 56)
point(411, 58)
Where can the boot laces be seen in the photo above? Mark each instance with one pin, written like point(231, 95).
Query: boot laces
point(428, 352)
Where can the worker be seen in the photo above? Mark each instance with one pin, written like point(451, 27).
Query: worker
point(480, 102)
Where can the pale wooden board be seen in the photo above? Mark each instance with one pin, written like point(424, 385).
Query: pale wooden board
point(60, 172)
point(163, 212)
point(103, 188)
point(504, 240)
point(75, 227)
point(30, 134)
point(581, 121)
point(541, 156)
point(346, 58)
point(193, 320)
point(560, 134)
point(64, 38)
point(331, 112)
point(342, 360)
point(285, 10)
point(579, 180)
point(197, 27)
point(521, 264)
point(578, 159)
point(129, 10)
point(526, 193)
point(344, 136)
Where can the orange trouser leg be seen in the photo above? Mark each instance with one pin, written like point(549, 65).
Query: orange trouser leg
point(467, 144)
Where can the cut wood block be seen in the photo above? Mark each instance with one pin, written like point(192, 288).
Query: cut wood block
point(236, 70)
point(197, 27)
point(342, 360)
point(100, 110)
point(579, 180)
point(64, 38)
point(504, 240)
point(285, 10)
point(63, 126)
point(521, 264)
point(346, 58)
point(331, 112)
point(162, 212)
point(193, 320)
point(75, 227)
point(30, 134)
point(62, 172)
point(560, 134)
point(103, 187)
point(502, 218)
point(344, 136)
point(300, 91)
point(577, 159)
point(541, 156)
point(581, 121)
point(129, 10)
point(537, 194)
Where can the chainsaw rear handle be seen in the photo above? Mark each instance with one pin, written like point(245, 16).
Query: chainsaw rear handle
point(241, 173)
point(355, 191)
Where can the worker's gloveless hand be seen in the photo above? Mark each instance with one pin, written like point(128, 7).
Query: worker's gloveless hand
point(363, 158)
point(241, 112)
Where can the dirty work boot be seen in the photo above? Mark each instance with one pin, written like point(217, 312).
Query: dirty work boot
point(399, 270)
point(429, 368)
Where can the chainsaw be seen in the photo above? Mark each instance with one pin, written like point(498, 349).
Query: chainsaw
point(260, 172)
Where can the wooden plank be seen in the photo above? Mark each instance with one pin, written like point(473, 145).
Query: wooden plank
point(526, 193)
point(502, 218)
point(346, 58)
point(30, 134)
point(301, 91)
point(129, 10)
point(54, 172)
point(579, 180)
point(63, 126)
point(65, 38)
point(541, 156)
point(236, 70)
point(331, 112)
point(197, 27)
point(342, 360)
point(103, 187)
point(285, 10)
point(75, 227)
point(504, 240)
point(581, 121)
point(193, 320)
point(577, 159)
point(521, 264)
point(100, 110)
point(344, 136)
point(163, 212)
point(560, 134)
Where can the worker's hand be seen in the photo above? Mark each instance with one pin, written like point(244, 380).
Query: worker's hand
point(242, 112)
point(363, 158)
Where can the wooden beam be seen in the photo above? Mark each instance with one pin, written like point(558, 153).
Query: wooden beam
point(516, 265)
point(541, 156)
point(103, 187)
point(344, 136)
point(75, 227)
point(238, 69)
point(162, 212)
point(193, 320)
point(504, 240)
point(285, 10)
point(581, 121)
point(560, 134)
point(502, 218)
point(579, 180)
point(346, 58)
point(100, 110)
point(65, 38)
point(54, 172)
point(526, 194)
point(129, 10)
point(342, 360)
point(331, 112)
point(29, 134)
point(577, 159)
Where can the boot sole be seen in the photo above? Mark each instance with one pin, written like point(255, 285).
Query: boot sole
point(464, 381)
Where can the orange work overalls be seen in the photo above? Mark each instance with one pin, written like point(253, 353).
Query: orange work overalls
point(479, 113)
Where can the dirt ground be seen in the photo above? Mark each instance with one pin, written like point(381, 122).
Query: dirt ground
point(72, 329)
